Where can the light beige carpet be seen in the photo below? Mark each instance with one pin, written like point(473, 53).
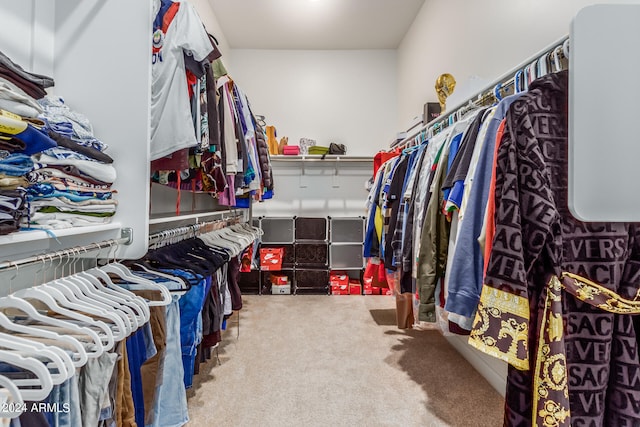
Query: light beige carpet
point(337, 361)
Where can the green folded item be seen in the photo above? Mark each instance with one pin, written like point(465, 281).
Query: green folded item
point(318, 149)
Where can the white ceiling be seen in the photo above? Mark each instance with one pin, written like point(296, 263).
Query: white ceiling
point(315, 24)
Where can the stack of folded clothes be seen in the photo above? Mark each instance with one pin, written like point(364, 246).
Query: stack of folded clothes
point(18, 140)
point(53, 172)
point(71, 188)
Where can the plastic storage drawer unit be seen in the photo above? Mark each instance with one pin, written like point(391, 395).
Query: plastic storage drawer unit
point(347, 230)
point(311, 229)
point(277, 230)
point(346, 257)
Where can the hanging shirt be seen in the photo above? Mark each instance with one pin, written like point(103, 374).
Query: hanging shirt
point(422, 193)
point(467, 266)
point(177, 29)
point(557, 289)
point(454, 182)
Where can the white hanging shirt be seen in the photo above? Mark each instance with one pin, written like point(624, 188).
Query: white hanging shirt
point(171, 123)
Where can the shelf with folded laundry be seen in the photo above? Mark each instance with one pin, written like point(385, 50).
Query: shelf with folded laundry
point(54, 174)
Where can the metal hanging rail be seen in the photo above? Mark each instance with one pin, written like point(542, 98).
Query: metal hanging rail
point(505, 82)
point(65, 253)
point(177, 234)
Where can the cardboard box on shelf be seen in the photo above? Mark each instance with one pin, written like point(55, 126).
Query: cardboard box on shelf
point(338, 278)
point(271, 259)
point(281, 289)
point(340, 289)
point(355, 288)
point(371, 290)
point(279, 279)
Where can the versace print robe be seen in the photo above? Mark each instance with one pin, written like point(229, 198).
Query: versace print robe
point(554, 285)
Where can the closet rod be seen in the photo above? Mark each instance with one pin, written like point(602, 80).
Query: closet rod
point(506, 80)
point(192, 230)
point(65, 253)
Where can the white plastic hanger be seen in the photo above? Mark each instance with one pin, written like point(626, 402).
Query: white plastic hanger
point(52, 304)
point(164, 275)
point(13, 302)
point(60, 362)
point(137, 304)
point(139, 283)
point(85, 291)
point(15, 400)
point(43, 378)
point(67, 299)
point(116, 293)
point(79, 356)
point(97, 276)
point(63, 294)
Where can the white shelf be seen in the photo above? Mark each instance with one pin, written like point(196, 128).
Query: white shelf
point(37, 235)
point(155, 220)
point(35, 242)
point(318, 158)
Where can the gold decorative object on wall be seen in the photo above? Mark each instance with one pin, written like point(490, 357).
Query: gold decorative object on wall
point(445, 85)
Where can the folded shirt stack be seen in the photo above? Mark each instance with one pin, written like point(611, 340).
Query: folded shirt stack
point(53, 172)
point(70, 189)
point(13, 208)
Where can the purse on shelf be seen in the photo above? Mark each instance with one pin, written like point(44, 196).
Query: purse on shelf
point(284, 141)
point(318, 150)
point(339, 149)
point(291, 150)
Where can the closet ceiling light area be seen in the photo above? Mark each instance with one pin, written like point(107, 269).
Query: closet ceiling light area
point(315, 24)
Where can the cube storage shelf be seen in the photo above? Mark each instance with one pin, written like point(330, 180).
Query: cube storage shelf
point(277, 230)
point(346, 257)
point(313, 246)
point(347, 230)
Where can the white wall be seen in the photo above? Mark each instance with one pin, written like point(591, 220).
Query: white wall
point(318, 190)
point(344, 96)
point(484, 38)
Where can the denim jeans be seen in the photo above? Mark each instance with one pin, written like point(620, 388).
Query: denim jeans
point(67, 398)
point(190, 321)
point(170, 409)
point(136, 354)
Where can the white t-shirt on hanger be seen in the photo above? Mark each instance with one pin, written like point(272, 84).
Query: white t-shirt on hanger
point(171, 123)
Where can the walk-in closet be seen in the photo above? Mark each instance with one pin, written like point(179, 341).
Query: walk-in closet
point(319, 213)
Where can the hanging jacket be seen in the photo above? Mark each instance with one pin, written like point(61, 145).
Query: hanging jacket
point(264, 158)
point(434, 239)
